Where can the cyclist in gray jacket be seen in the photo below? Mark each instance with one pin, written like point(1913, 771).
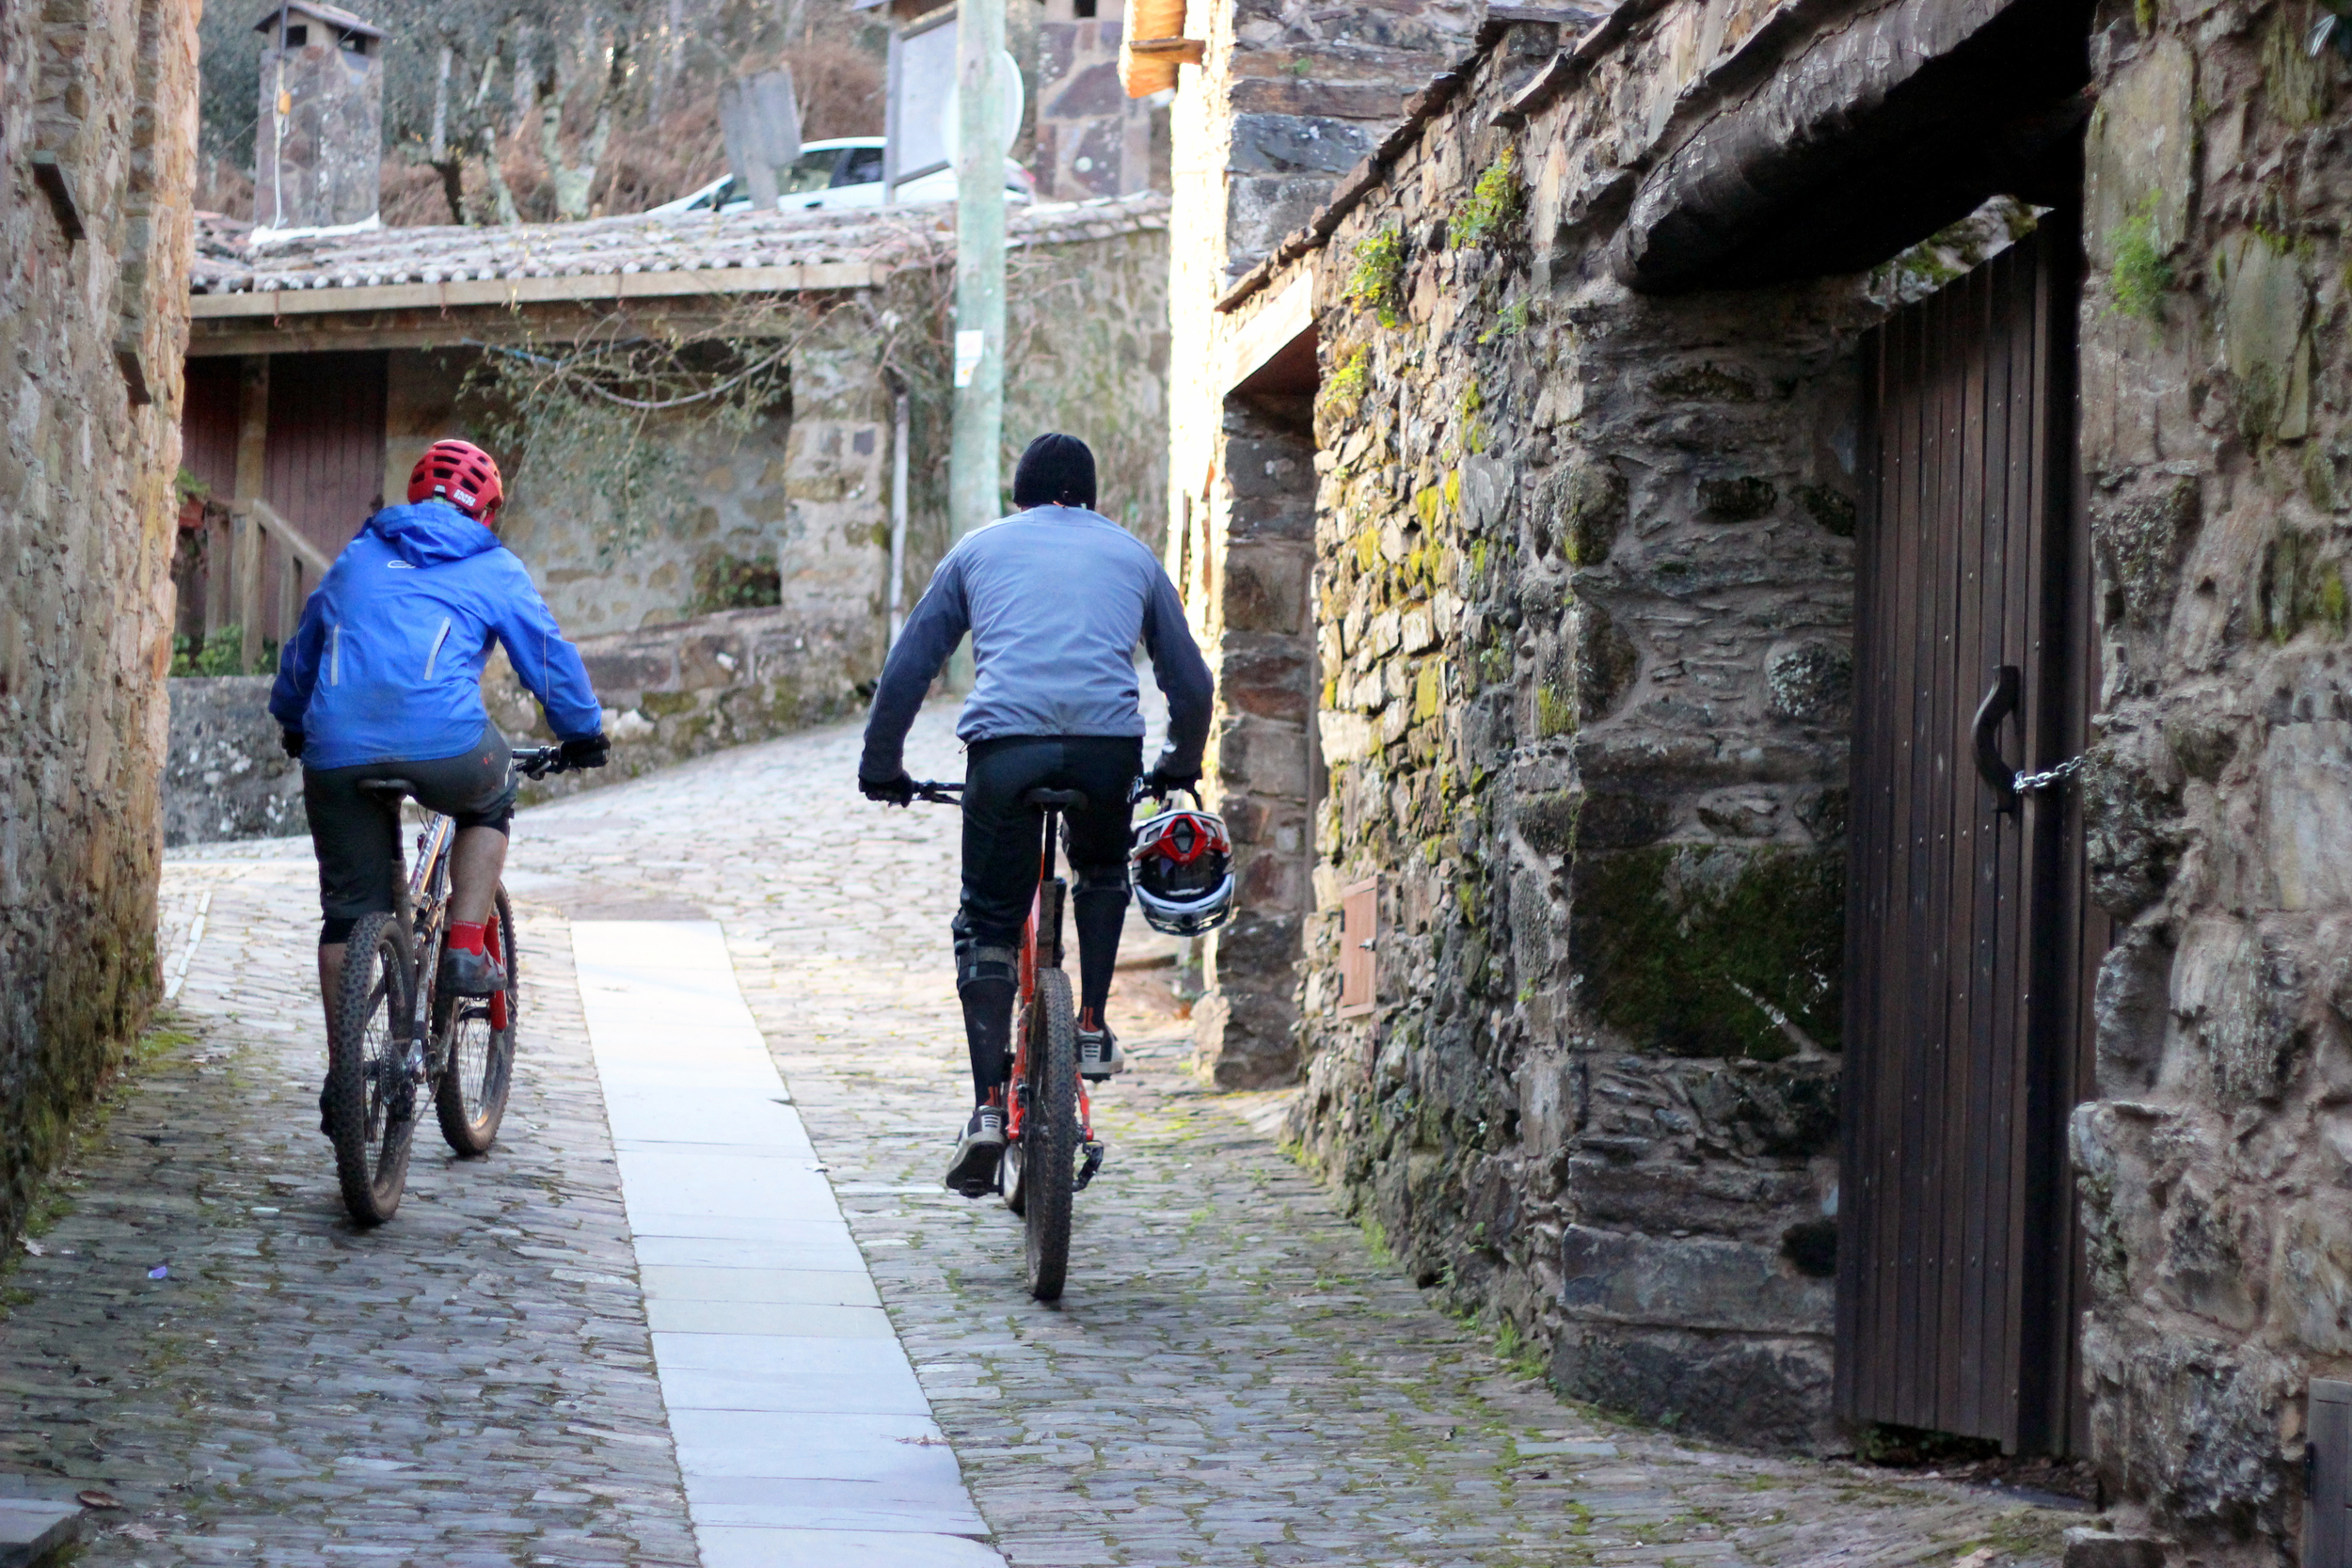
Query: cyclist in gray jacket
point(1056, 597)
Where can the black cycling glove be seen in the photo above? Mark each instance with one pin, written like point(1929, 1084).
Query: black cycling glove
point(292, 741)
point(1161, 782)
point(587, 751)
point(896, 790)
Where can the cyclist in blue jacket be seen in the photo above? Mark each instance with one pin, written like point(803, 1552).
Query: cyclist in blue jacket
point(383, 679)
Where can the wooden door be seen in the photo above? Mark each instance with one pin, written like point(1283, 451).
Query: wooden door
point(1969, 940)
point(322, 464)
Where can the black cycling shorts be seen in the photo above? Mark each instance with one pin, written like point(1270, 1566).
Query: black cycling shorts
point(1000, 836)
point(357, 840)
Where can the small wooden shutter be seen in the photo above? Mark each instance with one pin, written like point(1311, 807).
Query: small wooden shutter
point(1360, 926)
point(2327, 1535)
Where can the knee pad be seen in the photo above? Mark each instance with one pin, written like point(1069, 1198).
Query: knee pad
point(976, 964)
point(335, 929)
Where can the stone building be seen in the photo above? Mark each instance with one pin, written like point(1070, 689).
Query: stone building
point(1287, 100)
point(1744, 439)
point(98, 135)
point(759, 598)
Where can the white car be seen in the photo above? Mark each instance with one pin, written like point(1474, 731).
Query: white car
point(846, 171)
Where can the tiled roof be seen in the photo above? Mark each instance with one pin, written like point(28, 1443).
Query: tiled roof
point(708, 246)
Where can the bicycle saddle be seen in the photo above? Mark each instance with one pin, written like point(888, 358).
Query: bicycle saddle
point(1063, 800)
point(386, 789)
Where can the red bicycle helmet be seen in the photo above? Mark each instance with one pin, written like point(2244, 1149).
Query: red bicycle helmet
point(462, 475)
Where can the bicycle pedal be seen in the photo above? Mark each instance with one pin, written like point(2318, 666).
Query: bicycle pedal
point(1092, 1149)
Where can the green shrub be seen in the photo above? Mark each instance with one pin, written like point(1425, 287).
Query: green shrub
point(220, 654)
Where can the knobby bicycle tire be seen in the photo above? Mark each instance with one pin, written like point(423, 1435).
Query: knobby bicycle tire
point(470, 1098)
point(1049, 1134)
point(371, 1102)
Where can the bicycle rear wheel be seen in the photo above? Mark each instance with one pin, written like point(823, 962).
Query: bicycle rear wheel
point(479, 1064)
point(370, 1100)
point(1049, 1136)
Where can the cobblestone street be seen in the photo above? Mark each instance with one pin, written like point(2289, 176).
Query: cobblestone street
point(1234, 1376)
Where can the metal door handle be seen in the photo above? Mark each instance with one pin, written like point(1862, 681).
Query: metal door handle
point(1998, 703)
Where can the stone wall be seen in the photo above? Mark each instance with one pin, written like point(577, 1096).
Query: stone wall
point(97, 130)
point(1584, 589)
point(686, 689)
point(1091, 140)
point(805, 490)
point(2214, 1164)
point(226, 776)
point(670, 692)
point(1087, 351)
point(1288, 98)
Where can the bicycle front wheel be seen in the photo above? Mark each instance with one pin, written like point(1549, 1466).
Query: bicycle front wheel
point(478, 1034)
point(370, 1100)
point(1049, 1134)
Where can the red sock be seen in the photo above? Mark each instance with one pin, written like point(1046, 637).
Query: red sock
point(468, 937)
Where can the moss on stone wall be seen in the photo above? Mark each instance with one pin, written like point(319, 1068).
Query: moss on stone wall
point(1705, 950)
point(1377, 282)
point(1493, 208)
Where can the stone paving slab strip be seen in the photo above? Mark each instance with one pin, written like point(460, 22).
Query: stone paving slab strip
point(802, 1433)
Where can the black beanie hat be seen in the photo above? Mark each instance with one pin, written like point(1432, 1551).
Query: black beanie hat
point(1056, 471)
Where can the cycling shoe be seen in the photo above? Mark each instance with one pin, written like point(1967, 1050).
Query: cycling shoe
point(1099, 1056)
point(465, 973)
point(973, 1171)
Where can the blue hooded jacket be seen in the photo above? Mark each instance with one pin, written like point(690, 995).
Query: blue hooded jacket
point(387, 664)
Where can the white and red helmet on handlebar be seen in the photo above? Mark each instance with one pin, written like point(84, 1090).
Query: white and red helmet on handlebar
point(1181, 866)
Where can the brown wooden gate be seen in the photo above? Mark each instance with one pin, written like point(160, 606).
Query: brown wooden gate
point(1969, 939)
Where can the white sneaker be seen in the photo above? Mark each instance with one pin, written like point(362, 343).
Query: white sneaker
point(1099, 1056)
point(972, 1173)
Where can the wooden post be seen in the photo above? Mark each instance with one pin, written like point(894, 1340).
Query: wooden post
point(220, 536)
point(289, 594)
point(252, 439)
point(248, 555)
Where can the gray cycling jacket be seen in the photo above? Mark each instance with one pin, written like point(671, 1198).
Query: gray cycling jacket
point(1055, 599)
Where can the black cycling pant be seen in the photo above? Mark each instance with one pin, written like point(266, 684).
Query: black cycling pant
point(1000, 862)
point(357, 841)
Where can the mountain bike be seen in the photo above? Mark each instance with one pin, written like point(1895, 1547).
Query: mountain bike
point(1051, 1151)
point(395, 1037)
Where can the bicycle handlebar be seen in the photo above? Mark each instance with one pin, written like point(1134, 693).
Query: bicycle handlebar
point(538, 762)
point(945, 793)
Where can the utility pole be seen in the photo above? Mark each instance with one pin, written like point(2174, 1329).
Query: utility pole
point(977, 440)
